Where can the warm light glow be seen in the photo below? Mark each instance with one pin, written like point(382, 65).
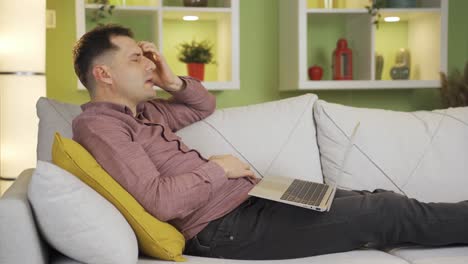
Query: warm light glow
point(391, 19)
point(190, 18)
point(22, 33)
point(5, 46)
point(19, 122)
point(22, 49)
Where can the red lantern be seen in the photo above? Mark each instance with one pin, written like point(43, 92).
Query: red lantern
point(342, 61)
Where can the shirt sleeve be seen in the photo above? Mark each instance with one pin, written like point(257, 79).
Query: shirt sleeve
point(191, 104)
point(126, 161)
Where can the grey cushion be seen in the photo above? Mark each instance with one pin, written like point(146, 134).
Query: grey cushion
point(20, 241)
point(54, 117)
point(77, 220)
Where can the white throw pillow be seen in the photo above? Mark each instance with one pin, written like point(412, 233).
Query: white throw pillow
point(77, 221)
point(422, 154)
point(275, 138)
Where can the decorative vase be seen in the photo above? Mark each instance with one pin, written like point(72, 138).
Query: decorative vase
point(379, 62)
point(196, 70)
point(315, 73)
point(401, 70)
point(196, 3)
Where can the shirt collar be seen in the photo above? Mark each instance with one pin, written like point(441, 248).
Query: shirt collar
point(114, 106)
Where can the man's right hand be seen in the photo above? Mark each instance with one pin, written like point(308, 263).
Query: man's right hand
point(233, 167)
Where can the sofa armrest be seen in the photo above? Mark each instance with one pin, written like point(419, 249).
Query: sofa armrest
point(19, 238)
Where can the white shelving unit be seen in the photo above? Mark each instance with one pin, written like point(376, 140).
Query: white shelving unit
point(223, 19)
point(308, 35)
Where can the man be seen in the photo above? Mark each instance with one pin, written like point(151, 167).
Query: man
point(131, 134)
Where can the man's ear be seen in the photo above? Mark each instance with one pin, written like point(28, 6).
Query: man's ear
point(102, 74)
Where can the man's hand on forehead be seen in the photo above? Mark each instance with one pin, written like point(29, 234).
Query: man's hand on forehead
point(149, 50)
point(162, 75)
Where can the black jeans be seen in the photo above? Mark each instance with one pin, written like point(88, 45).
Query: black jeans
point(264, 229)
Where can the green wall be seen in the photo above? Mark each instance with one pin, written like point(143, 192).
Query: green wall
point(259, 61)
point(61, 79)
point(458, 34)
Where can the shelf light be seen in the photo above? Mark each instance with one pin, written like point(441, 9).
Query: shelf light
point(392, 19)
point(190, 18)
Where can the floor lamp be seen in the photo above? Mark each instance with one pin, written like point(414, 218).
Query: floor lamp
point(22, 82)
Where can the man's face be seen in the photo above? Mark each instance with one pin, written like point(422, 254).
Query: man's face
point(131, 72)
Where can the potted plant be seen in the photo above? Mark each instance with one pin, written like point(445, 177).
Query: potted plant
point(374, 10)
point(196, 54)
point(102, 12)
point(454, 88)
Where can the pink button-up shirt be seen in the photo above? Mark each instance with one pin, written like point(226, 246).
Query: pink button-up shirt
point(144, 155)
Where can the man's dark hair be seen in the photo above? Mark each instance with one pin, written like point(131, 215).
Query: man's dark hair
point(91, 45)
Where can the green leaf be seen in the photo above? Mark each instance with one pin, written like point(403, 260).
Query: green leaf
point(195, 52)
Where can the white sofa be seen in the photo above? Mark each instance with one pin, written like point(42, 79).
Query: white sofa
point(421, 154)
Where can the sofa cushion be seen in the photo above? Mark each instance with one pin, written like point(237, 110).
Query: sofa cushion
point(275, 138)
point(77, 221)
point(54, 117)
point(352, 257)
point(432, 255)
point(20, 241)
point(155, 238)
point(421, 154)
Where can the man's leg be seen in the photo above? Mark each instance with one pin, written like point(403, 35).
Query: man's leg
point(263, 229)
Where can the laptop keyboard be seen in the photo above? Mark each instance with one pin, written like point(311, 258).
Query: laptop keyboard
point(305, 192)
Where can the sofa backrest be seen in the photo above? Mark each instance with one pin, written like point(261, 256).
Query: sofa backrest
point(54, 116)
point(422, 154)
point(275, 138)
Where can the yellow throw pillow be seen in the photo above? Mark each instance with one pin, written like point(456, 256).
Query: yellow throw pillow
point(155, 238)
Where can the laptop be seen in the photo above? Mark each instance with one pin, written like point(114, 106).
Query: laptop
point(307, 194)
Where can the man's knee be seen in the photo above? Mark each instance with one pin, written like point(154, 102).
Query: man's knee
point(392, 204)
